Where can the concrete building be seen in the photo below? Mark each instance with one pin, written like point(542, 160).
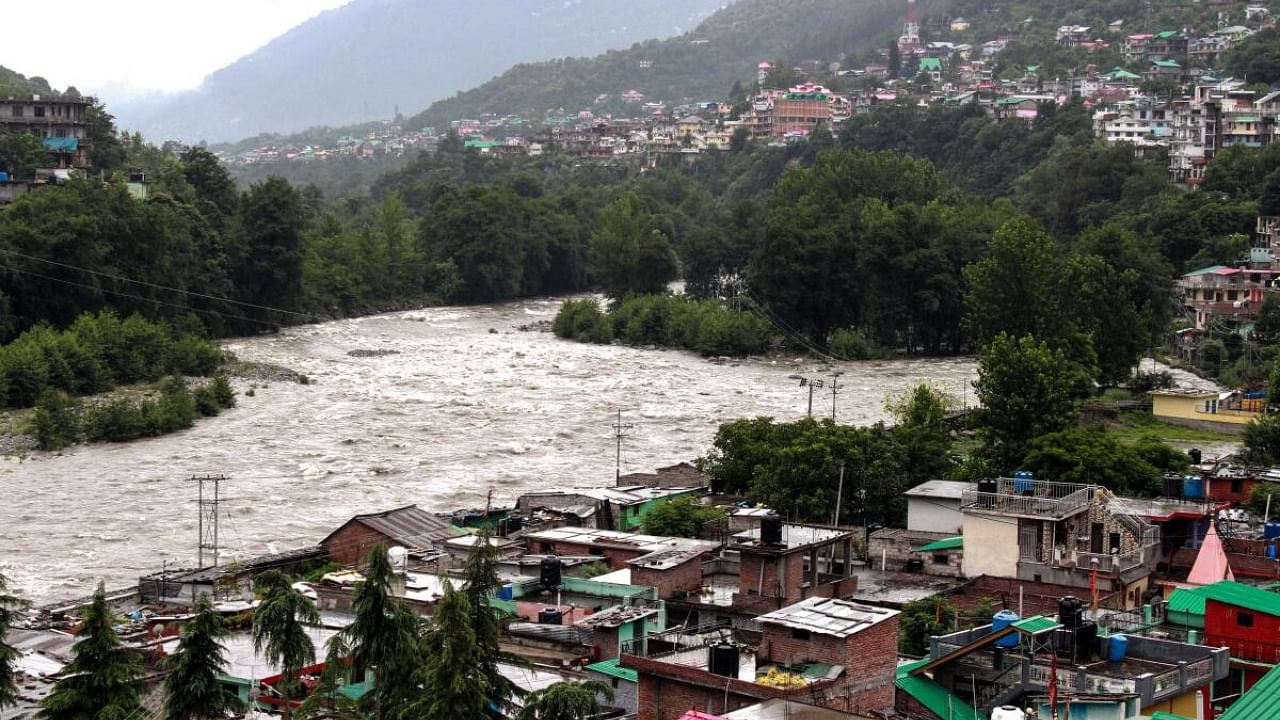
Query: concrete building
point(800, 110)
point(1059, 533)
point(935, 506)
point(616, 508)
point(829, 653)
point(806, 561)
point(1207, 410)
point(61, 123)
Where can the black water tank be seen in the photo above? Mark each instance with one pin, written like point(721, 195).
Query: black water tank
point(1196, 456)
point(515, 523)
point(1070, 612)
point(771, 529)
point(550, 572)
point(1086, 642)
point(550, 616)
point(1171, 485)
point(988, 485)
point(722, 660)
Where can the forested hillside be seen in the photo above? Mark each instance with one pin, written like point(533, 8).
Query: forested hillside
point(700, 65)
point(363, 60)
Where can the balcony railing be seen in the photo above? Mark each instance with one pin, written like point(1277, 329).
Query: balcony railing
point(1030, 498)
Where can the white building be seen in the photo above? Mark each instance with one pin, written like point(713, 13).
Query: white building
point(935, 506)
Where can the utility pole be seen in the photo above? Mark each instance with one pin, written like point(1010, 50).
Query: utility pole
point(810, 383)
point(835, 387)
point(619, 429)
point(208, 517)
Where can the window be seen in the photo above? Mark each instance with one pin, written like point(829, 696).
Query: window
point(39, 111)
point(1237, 485)
point(798, 634)
point(940, 559)
point(17, 111)
point(1244, 619)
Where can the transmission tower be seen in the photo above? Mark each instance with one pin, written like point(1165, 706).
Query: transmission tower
point(208, 516)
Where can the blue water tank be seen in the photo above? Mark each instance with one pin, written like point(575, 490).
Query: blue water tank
point(1271, 531)
point(1023, 481)
point(1271, 551)
point(506, 592)
point(1118, 648)
point(1002, 620)
point(1193, 486)
point(4, 177)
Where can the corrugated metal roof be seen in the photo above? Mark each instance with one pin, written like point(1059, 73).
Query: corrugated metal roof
point(951, 543)
point(948, 489)
point(838, 618)
point(932, 695)
point(1243, 596)
point(613, 669)
point(1036, 624)
point(410, 526)
point(1186, 600)
point(1260, 702)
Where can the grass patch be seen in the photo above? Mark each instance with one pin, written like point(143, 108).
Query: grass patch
point(1138, 423)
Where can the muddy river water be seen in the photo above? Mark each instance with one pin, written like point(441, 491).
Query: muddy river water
point(450, 412)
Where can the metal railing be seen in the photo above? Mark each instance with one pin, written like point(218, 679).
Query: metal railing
point(1030, 497)
point(1166, 683)
point(678, 640)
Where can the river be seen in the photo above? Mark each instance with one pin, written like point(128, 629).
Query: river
point(455, 411)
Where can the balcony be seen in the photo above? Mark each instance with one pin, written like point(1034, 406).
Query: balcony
point(1029, 498)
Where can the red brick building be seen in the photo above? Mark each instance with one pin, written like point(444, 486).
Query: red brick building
point(1245, 620)
point(841, 655)
point(808, 561)
point(409, 527)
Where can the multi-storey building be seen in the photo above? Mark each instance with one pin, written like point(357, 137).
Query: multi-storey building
point(61, 123)
point(1224, 298)
point(800, 110)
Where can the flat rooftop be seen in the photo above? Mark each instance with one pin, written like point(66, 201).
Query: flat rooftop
point(825, 616)
point(783, 709)
point(897, 588)
point(616, 616)
point(793, 535)
point(940, 489)
point(617, 538)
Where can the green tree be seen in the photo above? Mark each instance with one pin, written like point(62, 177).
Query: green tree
point(382, 636)
point(1026, 390)
point(103, 679)
point(268, 265)
point(192, 690)
point(452, 678)
point(9, 607)
point(1262, 441)
point(1011, 290)
point(55, 422)
point(480, 575)
point(921, 619)
point(20, 154)
point(920, 428)
point(280, 628)
point(1092, 457)
point(682, 517)
point(630, 254)
point(567, 701)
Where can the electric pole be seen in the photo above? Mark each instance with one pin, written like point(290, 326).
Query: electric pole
point(812, 383)
point(619, 429)
point(835, 387)
point(208, 517)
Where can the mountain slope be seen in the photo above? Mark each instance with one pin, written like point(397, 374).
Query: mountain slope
point(702, 64)
point(363, 60)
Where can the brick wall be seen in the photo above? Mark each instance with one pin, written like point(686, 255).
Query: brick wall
point(786, 586)
point(671, 582)
point(351, 543)
point(907, 705)
point(871, 654)
point(615, 558)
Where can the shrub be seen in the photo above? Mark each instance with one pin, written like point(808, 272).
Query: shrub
point(1144, 382)
point(582, 320)
point(206, 401)
point(56, 421)
point(849, 345)
point(223, 394)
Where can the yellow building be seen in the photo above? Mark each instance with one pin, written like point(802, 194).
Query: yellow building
point(1222, 411)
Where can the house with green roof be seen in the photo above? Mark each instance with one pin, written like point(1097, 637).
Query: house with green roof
point(932, 67)
point(1246, 621)
point(1260, 702)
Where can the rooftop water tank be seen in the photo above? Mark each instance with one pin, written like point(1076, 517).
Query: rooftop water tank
point(1193, 486)
point(1002, 620)
point(722, 660)
point(1070, 612)
point(550, 572)
point(1007, 712)
point(550, 616)
point(771, 529)
point(1118, 648)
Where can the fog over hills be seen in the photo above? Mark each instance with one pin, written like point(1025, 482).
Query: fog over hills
point(365, 59)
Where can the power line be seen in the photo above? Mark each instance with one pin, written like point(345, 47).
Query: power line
point(189, 293)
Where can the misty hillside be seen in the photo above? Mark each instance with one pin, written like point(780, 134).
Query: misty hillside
point(360, 61)
point(702, 64)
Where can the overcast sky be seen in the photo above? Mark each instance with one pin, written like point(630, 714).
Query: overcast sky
point(142, 44)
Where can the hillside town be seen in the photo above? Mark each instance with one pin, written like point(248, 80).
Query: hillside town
point(1167, 96)
point(1062, 599)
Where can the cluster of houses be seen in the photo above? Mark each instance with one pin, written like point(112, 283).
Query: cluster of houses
point(1070, 602)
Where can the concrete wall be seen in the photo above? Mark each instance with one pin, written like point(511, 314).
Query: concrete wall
point(1174, 408)
point(934, 515)
point(992, 544)
point(670, 582)
point(626, 694)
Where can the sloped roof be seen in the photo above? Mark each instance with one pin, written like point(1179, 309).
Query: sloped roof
point(1244, 596)
point(932, 695)
point(612, 668)
point(1036, 624)
point(1211, 564)
point(410, 526)
point(1187, 600)
point(1260, 702)
point(951, 543)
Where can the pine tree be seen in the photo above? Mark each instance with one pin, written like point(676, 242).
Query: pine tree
point(481, 576)
point(567, 701)
point(452, 681)
point(9, 606)
point(382, 637)
point(102, 682)
point(192, 689)
point(279, 628)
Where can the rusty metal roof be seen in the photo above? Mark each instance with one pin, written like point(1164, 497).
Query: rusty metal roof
point(410, 526)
